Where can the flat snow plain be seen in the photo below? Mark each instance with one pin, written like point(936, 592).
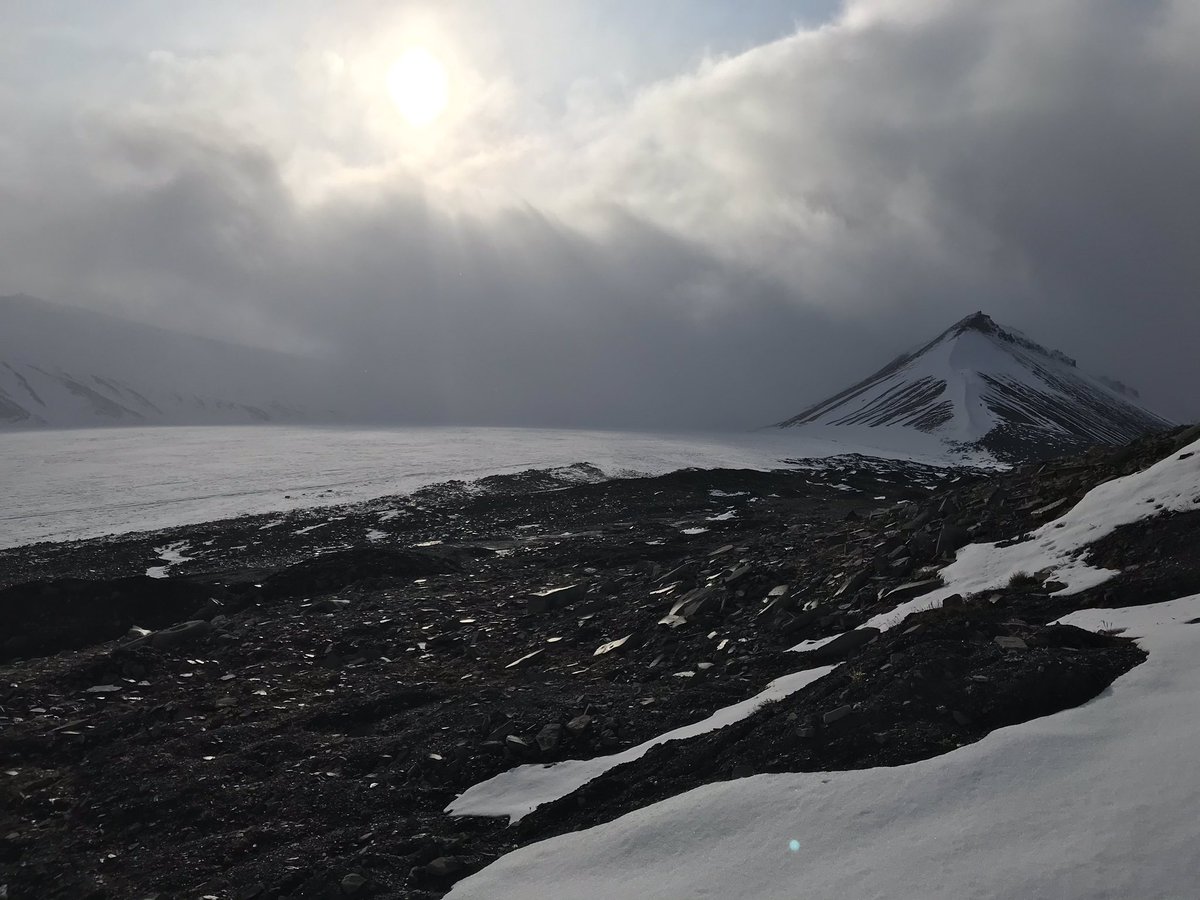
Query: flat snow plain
point(72, 484)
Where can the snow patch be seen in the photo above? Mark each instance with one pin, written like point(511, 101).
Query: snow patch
point(170, 554)
point(520, 791)
point(1170, 485)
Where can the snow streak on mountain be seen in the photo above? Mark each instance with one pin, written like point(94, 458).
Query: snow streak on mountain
point(980, 384)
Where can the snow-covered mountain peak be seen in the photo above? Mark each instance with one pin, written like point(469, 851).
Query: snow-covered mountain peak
point(985, 385)
point(64, 367)
point(985, 324)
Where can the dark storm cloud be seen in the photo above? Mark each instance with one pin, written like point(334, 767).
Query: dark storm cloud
point(426, 314)
point(1035, 159)
point(737, 243)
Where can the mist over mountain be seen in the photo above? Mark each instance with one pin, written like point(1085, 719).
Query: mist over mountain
point(67, 367)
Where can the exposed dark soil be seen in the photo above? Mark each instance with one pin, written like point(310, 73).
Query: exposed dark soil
point(314, 688)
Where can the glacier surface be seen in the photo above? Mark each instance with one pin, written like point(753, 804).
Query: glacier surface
point(74, 484)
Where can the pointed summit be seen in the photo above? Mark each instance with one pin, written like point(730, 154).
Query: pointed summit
point(977, 321)
point(980, 384)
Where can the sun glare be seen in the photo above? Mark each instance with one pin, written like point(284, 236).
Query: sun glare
point(419, 86)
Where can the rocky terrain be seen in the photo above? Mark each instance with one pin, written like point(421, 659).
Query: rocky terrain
point(286, 704)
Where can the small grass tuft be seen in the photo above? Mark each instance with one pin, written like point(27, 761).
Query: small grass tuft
point(1023, 581)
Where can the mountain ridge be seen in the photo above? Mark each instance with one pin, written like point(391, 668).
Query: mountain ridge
point(63, 366)
point(983, 385)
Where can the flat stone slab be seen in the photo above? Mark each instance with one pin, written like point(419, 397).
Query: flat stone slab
point(555, 598)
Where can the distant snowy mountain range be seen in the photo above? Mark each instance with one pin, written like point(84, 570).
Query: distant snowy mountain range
point(976, 387)
point(980, 385)
point(67, 367)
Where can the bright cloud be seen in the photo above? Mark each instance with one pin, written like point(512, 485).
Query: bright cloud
point(856, 185)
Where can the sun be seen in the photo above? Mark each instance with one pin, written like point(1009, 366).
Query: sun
point(419, 86)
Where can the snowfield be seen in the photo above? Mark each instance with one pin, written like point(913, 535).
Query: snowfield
point(1095, 802)
point(66, 485)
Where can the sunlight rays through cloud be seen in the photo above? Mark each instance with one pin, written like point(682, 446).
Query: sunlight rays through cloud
point(880, 173)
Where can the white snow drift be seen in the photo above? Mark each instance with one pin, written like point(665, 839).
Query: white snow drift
point(520, 791)
point(1098, 802)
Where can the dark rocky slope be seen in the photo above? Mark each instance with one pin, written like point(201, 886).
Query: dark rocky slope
point(309, 700)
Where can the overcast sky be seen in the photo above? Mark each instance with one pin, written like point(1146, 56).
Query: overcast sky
point(679, 213)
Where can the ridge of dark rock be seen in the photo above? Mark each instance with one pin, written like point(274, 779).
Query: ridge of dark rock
point(302, 738)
